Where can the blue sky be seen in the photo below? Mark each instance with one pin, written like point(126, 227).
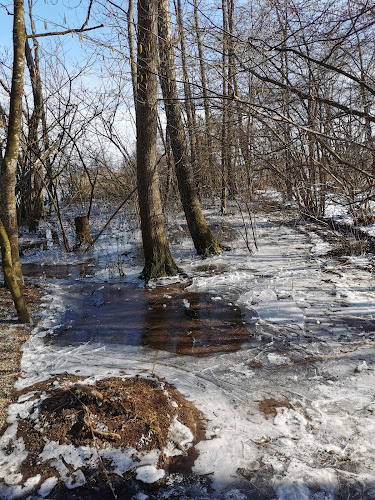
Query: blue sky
point(49, 15)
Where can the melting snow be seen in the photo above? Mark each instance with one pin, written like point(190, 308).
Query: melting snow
point(310, 314)
point(149, 474)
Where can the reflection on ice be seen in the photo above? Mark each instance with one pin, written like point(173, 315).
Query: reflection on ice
point(313, 349)
point(166, 318)
point(59, 271)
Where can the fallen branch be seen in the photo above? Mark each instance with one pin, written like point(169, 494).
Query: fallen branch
point(10, 374)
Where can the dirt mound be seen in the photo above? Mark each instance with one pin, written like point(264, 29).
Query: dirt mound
point(140, 417)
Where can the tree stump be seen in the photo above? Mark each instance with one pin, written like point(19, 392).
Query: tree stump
point(82, 231)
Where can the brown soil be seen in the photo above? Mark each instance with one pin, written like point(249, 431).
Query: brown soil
point(114, 412)
point(269, 406)
point(255, 364)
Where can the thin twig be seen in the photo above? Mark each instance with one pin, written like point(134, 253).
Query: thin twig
point(154, 366)
point(10, 374)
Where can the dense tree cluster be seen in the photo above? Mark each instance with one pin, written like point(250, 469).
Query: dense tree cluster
point(251, 95)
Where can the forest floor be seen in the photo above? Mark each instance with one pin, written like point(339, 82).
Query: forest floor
point(12, 337)
point(252, 377)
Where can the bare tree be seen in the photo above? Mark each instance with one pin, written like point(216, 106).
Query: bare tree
point(204, 241)
point(8, 210)
point(8, 170)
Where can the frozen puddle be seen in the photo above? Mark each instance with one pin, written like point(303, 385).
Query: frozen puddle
point(167, 318)
point(290, 404)
point(59, 271)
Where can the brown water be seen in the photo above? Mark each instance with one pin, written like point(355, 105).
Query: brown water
point(168, 318)
point(59, 271)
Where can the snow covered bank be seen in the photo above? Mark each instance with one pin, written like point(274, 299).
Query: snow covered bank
point(290, 414)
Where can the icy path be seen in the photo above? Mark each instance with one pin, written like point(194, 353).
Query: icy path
point(313, 353)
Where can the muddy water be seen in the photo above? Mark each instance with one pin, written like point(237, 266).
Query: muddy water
point(166, 318)
point(59, 271)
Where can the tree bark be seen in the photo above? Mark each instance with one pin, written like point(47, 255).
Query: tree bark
point(224, 126)
point(9, 162)
point(195, 148)
point(207, 113)
point(10, 278)
point(158, 258)
point(133, 63)
point(82, 230)
point(32, 200)
point(204, 241)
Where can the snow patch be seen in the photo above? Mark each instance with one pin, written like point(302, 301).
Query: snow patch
point(180, 438)
point(149, 474)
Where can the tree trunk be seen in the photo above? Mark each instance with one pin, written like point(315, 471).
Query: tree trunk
point(32, 206)
point(9, 162)
point(204, 241)
point(158, 258)
point(133, 63)
point(207, 114)
point(10, 278)
point(82, 230)
point(224, 126)
point(195, 148)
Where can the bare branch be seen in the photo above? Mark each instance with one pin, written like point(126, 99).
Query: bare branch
point(307, 96)
point(327, 66)
point(66, 32)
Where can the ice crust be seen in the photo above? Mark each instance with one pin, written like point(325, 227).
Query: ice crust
point(311, 348)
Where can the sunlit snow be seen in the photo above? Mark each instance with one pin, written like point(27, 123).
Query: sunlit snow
point(313, 346)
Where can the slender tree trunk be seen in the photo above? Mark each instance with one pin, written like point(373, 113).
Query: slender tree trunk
point(10, 278)
point(282, 14)
point(204, 241)
point(31, 202)
point(169, 160)
point(195, 148)
point(206, 105)
point(32, 208)
point(244, 143)
point(231, 132)
point(9, 162)
point(133, 63)
point(366, 105)
point(224, 118)
point(158, 258)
